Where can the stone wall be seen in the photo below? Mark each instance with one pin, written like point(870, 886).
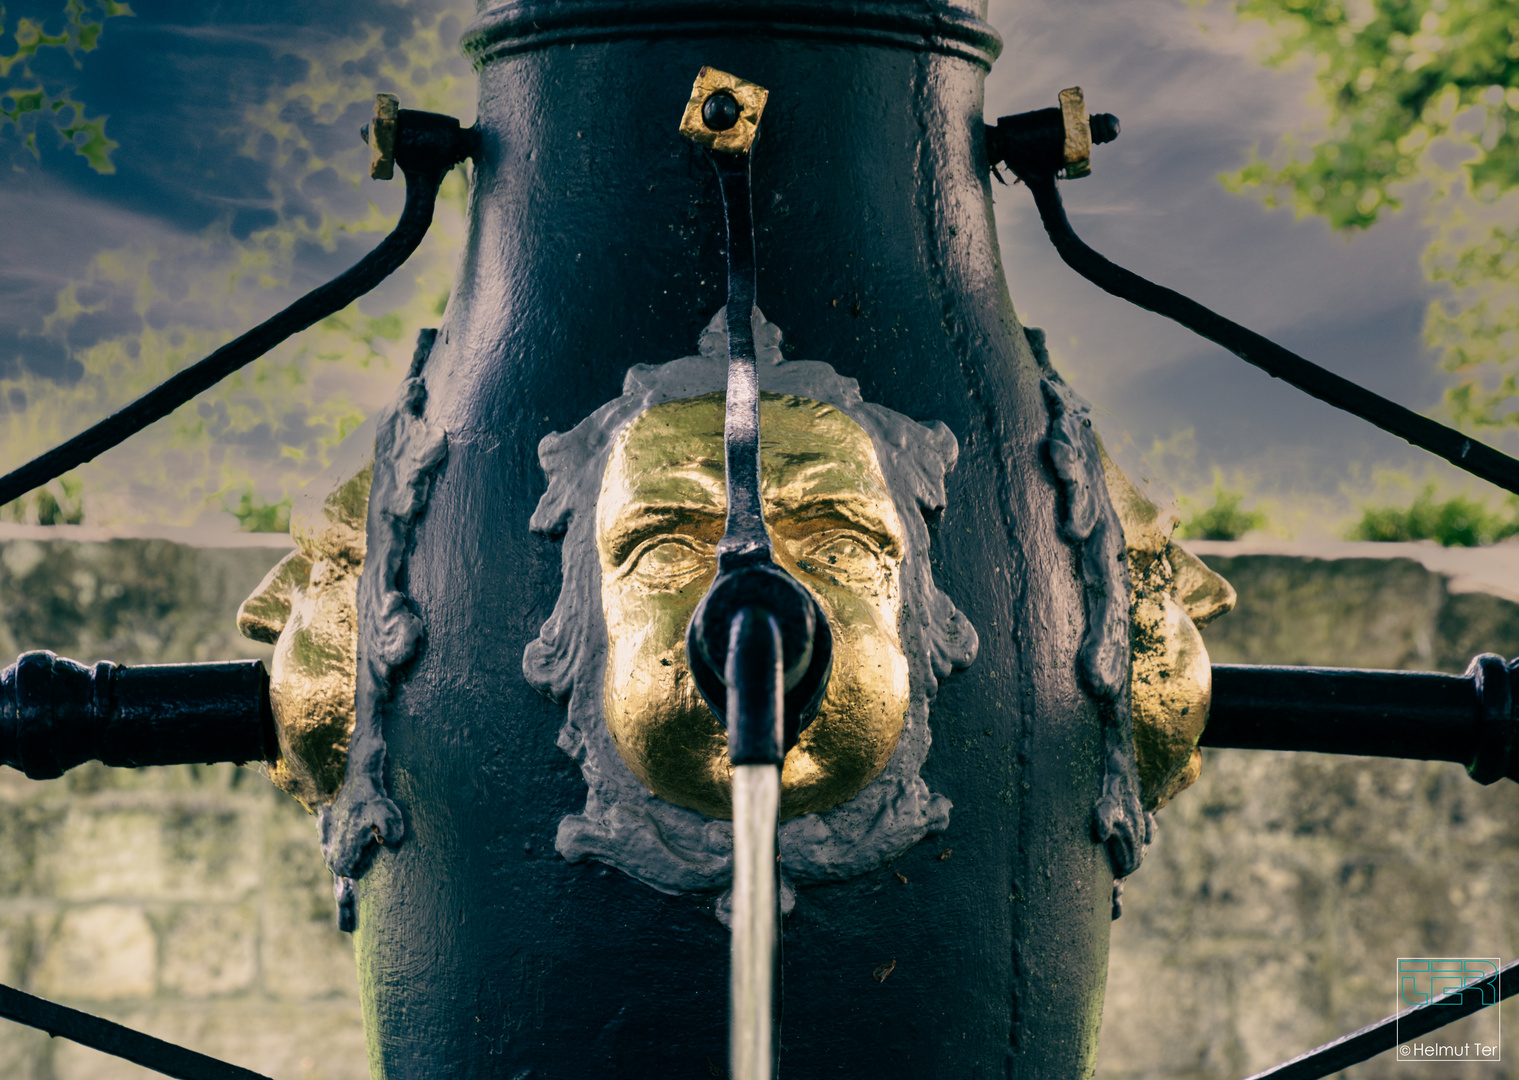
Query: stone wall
point(192, 902)
point(188, 902)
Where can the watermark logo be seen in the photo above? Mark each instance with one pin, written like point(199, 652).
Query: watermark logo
point(1458, 981)
point(1450, 982)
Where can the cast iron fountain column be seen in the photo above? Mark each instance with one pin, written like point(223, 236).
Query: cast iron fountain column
point(596, 242)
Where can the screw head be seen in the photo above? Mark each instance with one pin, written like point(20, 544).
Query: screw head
point(720, 111)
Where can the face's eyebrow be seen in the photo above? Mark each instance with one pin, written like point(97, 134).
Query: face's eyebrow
point(666, 477)
point(797, 518)
point(684, 498)
point(638, 522)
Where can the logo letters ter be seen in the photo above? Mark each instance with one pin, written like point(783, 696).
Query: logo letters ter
point(1421, 981)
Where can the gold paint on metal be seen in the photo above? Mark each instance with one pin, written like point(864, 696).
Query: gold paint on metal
point(1171, 678)
point(834, 527)
point(1078, 133)
point(751, 99)
point(307, 608)
point(382, 136)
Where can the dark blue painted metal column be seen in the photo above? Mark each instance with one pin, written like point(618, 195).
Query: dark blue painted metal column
point(596, 242)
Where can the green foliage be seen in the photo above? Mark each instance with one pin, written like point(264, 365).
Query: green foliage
point(45, 506)
point(272, 426)
point(28, 102)
point(1225, 519)
point(1411, 87)
point(1456, 522)
point(255, 515)
point(1395, 74)
point(1477, 329)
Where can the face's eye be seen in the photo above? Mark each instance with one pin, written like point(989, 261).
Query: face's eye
point(670, 562)
point(843, 557)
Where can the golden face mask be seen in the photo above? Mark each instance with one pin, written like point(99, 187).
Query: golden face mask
point(1170, 677)
point(835, 529)
point(307, 608)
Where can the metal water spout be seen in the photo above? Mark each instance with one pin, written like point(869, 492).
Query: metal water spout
point(756, 624)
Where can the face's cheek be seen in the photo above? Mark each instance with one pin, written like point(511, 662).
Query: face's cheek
point(1171, 687)
point(662, 729)
point(312, 686)
point(856, 730)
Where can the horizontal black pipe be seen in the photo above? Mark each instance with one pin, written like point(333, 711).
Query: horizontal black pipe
point(110, 1037)
point(1468, 719)
point(56, 714)
point(427, 146)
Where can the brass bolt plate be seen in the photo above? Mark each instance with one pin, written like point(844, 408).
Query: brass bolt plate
point(751, 98)
point(382, 137)
point(1078, 133)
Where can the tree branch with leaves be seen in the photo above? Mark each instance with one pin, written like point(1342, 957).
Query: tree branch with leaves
point(1416, 92)
point(30, 101)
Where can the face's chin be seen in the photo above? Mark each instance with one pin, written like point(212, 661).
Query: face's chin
point(834, 528)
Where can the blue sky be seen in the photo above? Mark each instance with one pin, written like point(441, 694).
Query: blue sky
point(236, 188)
point(1193, 99)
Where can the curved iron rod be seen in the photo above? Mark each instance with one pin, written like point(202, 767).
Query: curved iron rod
point(109, 1037)
point(1465, 453)
point(752, 673)
point(1382, 1036)
point(421, 194)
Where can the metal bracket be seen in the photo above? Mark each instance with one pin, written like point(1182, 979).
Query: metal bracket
point(724, 112)
point(382, 137)
point(1078, 133)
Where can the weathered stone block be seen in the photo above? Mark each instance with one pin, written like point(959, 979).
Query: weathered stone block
point(105, 852)
point(304, 954)
point(1177, 1018)
point(26, 828)
point(315, 1041)
point(153, 848)
point(15, 948)
point(25, 1054)
point(104, 952)
point(209, 951)
point(1411, 606)
point(126, 599)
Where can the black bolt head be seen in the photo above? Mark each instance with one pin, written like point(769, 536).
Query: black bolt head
point(720, 111)
point(1104, 128)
